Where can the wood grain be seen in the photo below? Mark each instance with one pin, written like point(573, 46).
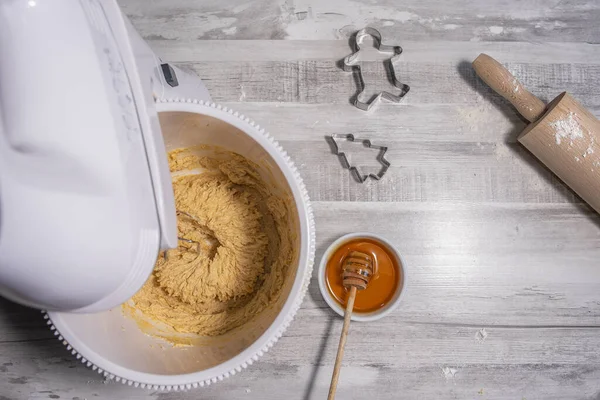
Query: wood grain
point(502, 299)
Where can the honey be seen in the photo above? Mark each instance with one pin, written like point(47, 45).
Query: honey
point(384, 283)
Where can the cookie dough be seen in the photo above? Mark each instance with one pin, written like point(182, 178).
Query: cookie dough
point(235, 247)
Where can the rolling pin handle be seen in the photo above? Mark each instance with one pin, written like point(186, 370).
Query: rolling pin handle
point(506, 85)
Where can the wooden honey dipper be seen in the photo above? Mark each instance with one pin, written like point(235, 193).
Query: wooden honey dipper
point(357, 272)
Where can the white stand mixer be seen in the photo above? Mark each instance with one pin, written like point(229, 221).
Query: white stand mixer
point(86, 202)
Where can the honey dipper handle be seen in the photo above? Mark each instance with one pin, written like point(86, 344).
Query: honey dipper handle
point(506, 85)
point(340, 352)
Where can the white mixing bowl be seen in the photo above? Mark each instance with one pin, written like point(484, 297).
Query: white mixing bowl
point(114, 345)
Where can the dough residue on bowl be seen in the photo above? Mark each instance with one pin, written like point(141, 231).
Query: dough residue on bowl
point(235, 247)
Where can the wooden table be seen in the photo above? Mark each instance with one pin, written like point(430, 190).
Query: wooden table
point(503, 299)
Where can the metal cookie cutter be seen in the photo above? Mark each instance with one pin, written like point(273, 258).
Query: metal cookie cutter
point(351, 64)
point(385, 164)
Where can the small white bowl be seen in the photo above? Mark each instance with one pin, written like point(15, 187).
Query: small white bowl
point(335, 306)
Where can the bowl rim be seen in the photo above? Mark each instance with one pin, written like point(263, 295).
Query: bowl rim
point(291, 305)
point(334, 305)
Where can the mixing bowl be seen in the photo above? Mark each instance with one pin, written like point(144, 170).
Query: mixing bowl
point(114, 345)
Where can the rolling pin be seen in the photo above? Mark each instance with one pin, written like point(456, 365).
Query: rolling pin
point(563, 135)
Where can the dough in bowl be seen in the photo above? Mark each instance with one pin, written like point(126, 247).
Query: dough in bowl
point(235, 246)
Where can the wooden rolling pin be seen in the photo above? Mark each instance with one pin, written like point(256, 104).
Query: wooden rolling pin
point(563, 134)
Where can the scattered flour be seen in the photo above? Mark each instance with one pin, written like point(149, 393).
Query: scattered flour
point(449, 373)
point(496, 30)
point(515, 83)
point(502, 151)
point(590, 148)
point(339, 19)
point(481, 335)
point(550, 25)
point(405, 16)
point(451, 27)
point(567, 128)
point(230, 31)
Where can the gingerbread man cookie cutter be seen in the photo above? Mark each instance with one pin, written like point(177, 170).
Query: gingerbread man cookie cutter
point(352, 64)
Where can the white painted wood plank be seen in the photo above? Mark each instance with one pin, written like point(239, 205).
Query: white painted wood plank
point(473, 20)
point(536, 381)
point(495, 264)
point(485, 122)
point(271, 379)
point(323, 81)
point(332, 183)
point(421, 361)
point(419, 177)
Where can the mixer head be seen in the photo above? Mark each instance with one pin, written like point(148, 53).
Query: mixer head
point(84, 175)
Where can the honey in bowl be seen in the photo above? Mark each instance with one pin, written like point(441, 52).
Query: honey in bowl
point(383, 285)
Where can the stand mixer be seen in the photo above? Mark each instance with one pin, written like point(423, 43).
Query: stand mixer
point(86, 202)
point(87, 114)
